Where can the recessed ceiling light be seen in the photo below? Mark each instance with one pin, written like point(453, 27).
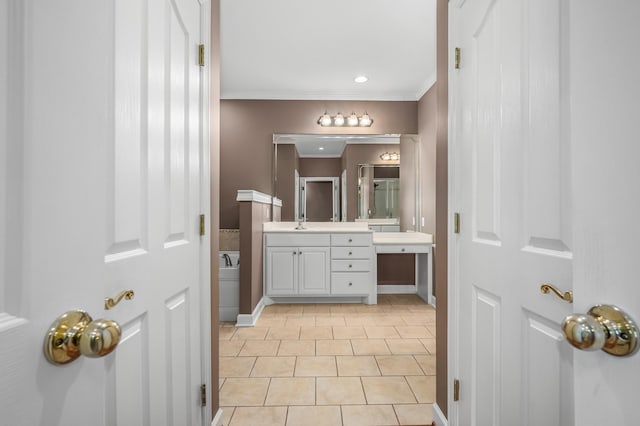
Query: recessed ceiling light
point(321, 148)
point(361, 79)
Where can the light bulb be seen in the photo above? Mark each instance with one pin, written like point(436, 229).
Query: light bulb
point(365, 120)
point(338, 120)
point(325, 120)
point(352, 120)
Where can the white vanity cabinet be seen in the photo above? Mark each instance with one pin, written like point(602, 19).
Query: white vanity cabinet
point(319, 264)
point(351, 264)
point(297, 265)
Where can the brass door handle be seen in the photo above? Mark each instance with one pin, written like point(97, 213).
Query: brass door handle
point(567, 296)
point(110, 303)
point(605, 327)
point(75, 333)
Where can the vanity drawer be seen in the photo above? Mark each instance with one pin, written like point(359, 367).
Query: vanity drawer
point(297, 240)
point(351, 265)
point(393, 248)
point(351, 283)
point(351, 252)
point(351, 239)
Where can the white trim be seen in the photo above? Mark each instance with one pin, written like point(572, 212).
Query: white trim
point(274, 300)
point(428, 84)
point(319, 96)
point(397, 289)
point(254, 196)
point(217, 419)
point(277, 202)
point(249, 320)
point(438, 416)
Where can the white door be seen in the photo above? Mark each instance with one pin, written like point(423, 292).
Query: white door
point(282, 271)
point(544, 176)
point(510, 176)
point(313, 270)
point(104, 169)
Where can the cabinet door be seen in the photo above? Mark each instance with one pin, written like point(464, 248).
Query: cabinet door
point(314, 270)
point(282, 271)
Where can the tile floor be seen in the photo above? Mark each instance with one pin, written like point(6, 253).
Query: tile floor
point(331, 364)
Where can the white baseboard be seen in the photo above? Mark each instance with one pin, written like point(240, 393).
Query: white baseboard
point(249, 320)
point(217, 420)
point(397, 289)
point(438, 417)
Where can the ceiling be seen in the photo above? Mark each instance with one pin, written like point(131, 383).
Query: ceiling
point(299, 49)
point(330, 146)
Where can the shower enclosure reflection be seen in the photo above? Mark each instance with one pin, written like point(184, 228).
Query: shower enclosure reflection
point(378, 191)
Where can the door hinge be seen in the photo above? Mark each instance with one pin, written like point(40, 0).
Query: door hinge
point(456, 389)
point(201, 55)
point(456, 223)
point(457, 58)
point(203, 395)
point(202, 225)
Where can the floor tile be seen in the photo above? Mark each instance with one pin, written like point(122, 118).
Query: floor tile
point(427, 363)
point(367, 415)
point(370, 347)
point(270, 321)
point(300, 321)
point(359, 320)
point(316, 333)
point(414, 331)
point(283, 333)
point(314, 366)
point(236, 366)
point(250, 333)
point(225, 333)
point(263, 416)
point(357, 366)
point(314, 416)
point(292, 391)
point(324, 321)
point(398, 365)
point(220, 382)
point(316, 309)
point(230, 347)
point(414, 414)
point(349, 333)
point(274, 366)
point(423, 387)
point(227, 413)
point(392, 320)
point(430, 344)
point(381, 332)
point(339, 391)
point(406, 346)
point(260, 348)
point(244, 392)
point(297, 347)
point(343, 309)
point(333, 347)
point(387, 390)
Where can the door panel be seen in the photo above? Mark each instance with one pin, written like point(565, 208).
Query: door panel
point(314, 269)
point(507, 103)
point(111, 195)
point(282, 270)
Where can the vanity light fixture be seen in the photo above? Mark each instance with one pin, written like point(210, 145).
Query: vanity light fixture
point(339, 120)
point(390, 156)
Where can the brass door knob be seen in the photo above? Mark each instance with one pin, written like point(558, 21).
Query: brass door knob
point(605, 327)
point(74, 333)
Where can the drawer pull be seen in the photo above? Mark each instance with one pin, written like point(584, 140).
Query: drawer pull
point(301, 252)
point(350, 266)
point(403, 249)
point(350, 253)
point(350, 240)
point(350, 284)
point(294, 253)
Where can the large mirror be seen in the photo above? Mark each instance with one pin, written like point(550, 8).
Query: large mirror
point(347, 178)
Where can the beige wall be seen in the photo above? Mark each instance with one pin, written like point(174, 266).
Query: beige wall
point(320, 167)
point(427, 123)
point(247, 128)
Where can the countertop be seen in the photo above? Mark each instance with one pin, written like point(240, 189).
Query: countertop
point(317, 227)
point(400, 238)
